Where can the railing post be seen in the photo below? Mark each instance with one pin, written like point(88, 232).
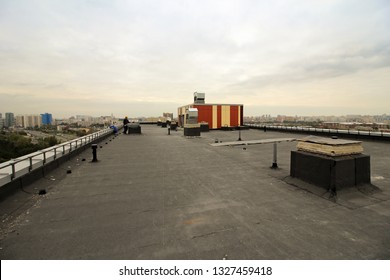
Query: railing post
point(30, 167)
point(44, 158)
point(13, 170)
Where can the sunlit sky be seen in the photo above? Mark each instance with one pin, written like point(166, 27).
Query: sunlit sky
point(143, 58)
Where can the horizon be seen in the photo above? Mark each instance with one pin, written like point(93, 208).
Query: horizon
point(145, 58)
point(63, 115)
point(157, 116)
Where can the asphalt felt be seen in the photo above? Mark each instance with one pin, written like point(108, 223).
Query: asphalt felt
point(160, 196)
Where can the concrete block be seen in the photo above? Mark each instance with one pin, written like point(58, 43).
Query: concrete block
point(204, 127)
point(330, 172)
point(192, 131)
point(134, 130)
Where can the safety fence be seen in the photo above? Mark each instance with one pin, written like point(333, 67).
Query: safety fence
point(23, 165)
point(325, 131)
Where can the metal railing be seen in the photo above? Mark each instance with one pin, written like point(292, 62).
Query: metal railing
point(22, 165)
point(374, 134)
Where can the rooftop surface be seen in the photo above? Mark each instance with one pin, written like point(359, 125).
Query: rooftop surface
point(159, 196)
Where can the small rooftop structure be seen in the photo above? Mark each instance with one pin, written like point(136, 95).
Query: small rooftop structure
point(331, 163)
point(216, 115)
point(199, 98)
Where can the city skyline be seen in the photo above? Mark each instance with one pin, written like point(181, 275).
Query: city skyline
point(145, 58)
point(81, 116)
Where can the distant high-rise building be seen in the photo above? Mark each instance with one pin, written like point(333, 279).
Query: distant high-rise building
point(9, 120)
point(47, 119)
point(32, 121)
point(29, 121)
point(20, 121)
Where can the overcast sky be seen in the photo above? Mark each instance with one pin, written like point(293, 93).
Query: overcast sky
point(143, 58)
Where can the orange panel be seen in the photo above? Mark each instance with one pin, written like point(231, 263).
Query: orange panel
point(205, 114)
point(233, 116)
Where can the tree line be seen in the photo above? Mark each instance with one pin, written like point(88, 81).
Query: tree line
point(15, 145)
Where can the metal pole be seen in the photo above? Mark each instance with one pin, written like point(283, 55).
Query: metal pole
point(275, 163)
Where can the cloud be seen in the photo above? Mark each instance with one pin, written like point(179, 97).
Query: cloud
point(154, 52)
point(314, 68)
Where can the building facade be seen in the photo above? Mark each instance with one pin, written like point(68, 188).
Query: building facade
point(47, 119)
point(9, 120)
point(29, 121)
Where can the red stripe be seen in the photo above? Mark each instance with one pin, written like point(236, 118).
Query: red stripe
point(233, 115)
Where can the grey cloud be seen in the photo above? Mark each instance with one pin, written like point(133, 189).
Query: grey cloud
point(322, 67)
point(350, 62)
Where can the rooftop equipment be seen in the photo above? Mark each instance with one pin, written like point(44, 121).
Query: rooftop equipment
point(199, 98)
point(192, 116)
point(330, 163)
point(191, 126)
point(134, 128)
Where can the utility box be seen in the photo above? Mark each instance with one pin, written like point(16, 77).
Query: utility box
point(204, 127)
point(173, 125)
point(191, 126)
point(192, 130)
point(133, 128)
point(192, 116)
point(199, 98)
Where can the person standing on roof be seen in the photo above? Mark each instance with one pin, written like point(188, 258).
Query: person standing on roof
point(125, 122)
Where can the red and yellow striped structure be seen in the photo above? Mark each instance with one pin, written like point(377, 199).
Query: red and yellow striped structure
point(216, 115)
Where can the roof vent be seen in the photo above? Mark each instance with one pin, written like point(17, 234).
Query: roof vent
point(199, 98)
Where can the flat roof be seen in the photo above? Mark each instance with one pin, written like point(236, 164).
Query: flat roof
point(159, 196)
